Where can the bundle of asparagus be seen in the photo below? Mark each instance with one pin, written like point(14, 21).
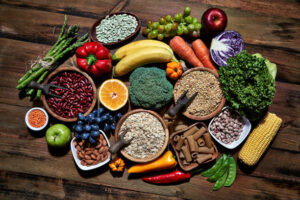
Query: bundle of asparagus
point(64, 47)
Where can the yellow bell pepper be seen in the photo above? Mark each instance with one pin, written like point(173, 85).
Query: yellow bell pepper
point(166, 161)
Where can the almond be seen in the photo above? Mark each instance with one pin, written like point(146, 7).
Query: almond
point(101, 149)
point(82, 162)
point(81, 155)
point(99, 145)
point(95, 152)
point(101, 137)
point(104, 143)
point(89, 162)
point(87, 157)
point(93, 157)
point(78, 148)
point(99, 157)
point(89, 149)
point(88, 152)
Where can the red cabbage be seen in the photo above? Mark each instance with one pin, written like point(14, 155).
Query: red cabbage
point(226, 45)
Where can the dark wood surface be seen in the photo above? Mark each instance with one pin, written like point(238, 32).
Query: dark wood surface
point(28, 170)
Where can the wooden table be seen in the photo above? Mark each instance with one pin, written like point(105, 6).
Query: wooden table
point(29, 171)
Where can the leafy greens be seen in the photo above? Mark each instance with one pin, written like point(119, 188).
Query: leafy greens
point(247, 84)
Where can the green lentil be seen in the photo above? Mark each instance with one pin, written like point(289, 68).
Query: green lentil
point(116, 28)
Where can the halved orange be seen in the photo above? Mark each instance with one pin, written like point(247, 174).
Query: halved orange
point(113, 94)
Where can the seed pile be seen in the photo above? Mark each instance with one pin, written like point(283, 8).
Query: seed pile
point(228, 126)
point(77, 97)
point(116, 28)
point(36, 118)
point(147, 132)
point(209, 92)
point(89, 154)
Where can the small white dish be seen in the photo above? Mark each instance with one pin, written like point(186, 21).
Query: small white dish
point(243, 136)
point(34, 128)
point(86, 168)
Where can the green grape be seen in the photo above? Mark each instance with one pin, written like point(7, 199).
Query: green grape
point(185, 30)
point(162, 21)
point(178, 17)
point(195, 20)
point(149, 36)
point(188, 19)
point(179, 30)
point(154, 33)
point(167, 35)
point(155, 25)
point(149, 24)
point(160, 36)
point(169, 18)
point(161, 28)
point(168, 27)
point(174, 26)
point(187, 11)
point(197, 26)
point(145, 31)
point(191, 27)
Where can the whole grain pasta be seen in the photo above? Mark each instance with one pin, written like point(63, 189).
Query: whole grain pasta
point(191, 131)
point(186, 153)
point(203, 157)
point(207, 139)
point(206, 150)
point(201, 142)
point(199, 133)
point(191, 142)
point(179, 143)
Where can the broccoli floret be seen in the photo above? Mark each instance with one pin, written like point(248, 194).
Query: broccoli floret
point(149, 88)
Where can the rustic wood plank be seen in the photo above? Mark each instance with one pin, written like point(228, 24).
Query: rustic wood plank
point(26, 186)
point(274, 32)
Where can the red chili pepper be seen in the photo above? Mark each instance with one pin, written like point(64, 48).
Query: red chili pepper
point(172, 177)
point(94, 58)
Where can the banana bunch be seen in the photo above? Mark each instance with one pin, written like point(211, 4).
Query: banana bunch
point(139, 53)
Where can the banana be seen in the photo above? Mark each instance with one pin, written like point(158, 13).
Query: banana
point(137, 45)
point(142, 57)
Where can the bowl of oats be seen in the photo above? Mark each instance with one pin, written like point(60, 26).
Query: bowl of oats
point(147, 133)
point(209, 100)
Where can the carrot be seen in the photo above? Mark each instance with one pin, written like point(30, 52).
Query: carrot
point(202, 53)
point(182, 49)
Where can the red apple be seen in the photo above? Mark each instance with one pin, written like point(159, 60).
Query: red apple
point(214, 21)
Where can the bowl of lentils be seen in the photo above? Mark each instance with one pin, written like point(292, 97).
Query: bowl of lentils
point(78, 94)
point(115, 28)
point(209, 99)
point(147, 133)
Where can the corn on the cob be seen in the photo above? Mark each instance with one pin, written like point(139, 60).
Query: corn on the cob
point(259, 139)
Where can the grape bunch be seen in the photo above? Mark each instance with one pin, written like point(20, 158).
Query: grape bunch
point(169, 27)
point(87, 128)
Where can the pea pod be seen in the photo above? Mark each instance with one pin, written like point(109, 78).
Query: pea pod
point(220, 182)
point(211, 171)
point(220, 172)
point(232, 172)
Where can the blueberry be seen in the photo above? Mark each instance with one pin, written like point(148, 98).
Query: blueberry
point(99, 111)
point(95, 133)
point(106, 127)
point(113, 126)
point(91, 139)
point(97, 120)
point(87, 127)
point(78, 128)
point(110, 118)
point(77, 135)
point(94, 112)
point(119, 115)
point(80, 122)
point(95, 127)
point(85, 135)
point(81, 116)
point(73, 126)
point(91, 115)
point(104, 118)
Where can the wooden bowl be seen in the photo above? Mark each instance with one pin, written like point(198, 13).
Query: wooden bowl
point(205, 117)
point(69, 68)
point(150, 158)
point(93, 35)
point(194, 164)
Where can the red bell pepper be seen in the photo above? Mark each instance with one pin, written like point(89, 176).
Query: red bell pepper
point(94, 58)
point(172, 177)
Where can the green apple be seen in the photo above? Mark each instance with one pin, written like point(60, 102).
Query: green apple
point(58, 135)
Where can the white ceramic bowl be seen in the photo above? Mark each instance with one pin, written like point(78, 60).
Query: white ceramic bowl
point(34, 128)
point(243, 136)
point(86, 168)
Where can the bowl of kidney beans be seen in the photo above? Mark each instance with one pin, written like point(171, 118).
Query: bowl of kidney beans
point(79, 95)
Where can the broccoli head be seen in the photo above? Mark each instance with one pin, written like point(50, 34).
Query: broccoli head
point(149, 88)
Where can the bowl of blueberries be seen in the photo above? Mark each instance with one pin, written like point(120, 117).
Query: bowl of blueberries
point(87, 128)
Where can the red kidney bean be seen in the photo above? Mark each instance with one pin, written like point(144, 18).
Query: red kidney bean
point(77, 97)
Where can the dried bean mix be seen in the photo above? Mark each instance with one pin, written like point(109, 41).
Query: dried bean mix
point(228, 126)
point(77, 97)
point(209, 92)
point(147, 132)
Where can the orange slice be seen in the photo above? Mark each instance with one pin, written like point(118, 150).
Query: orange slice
point(113, 94)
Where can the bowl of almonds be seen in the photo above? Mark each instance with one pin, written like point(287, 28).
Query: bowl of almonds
point(89, 156)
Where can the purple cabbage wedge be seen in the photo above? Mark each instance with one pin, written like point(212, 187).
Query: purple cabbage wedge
point(225, 45)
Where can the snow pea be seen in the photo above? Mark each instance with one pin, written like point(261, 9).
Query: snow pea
point(211, 171)
point(220, 172)
point(232, 172)
point(220, 182)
